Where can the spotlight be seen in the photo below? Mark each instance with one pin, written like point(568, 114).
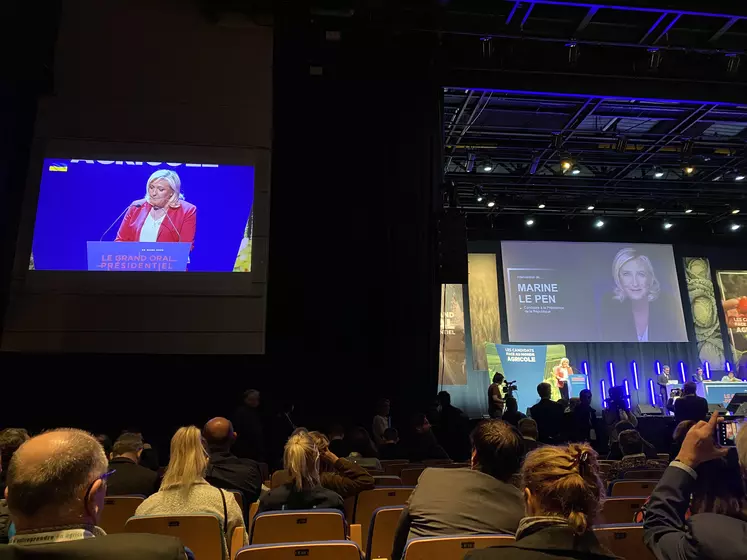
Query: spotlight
point(599, 223)
point(529, 222)
point(491, 203)
point(487, 167)
point(640, 209)
point(735, 211)
point(734, 227)
point(541, 205)
point(576, 171)
point(590, 207)
point(658, 172)
point(688, 210)
point(479, 195)
point(688, 169)
point(566, 162)
point(668, 225)
point(739, 177)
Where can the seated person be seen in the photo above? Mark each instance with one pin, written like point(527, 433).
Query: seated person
point(631, 445)
point(690, 406)
point(615, 453)
point(225, 469)
point(528, 431)
point(337, 473)
point(184, 489)
point(562, 494)
point(717, 529)
point(304, 490)
point(487, 501)
point(422, 443)
point(731, 377)
point(548, 414)
point(129, 477)
point(56, 490)
point(390, 448)
point(512, 414)
point(337, 443)
point(361, 448)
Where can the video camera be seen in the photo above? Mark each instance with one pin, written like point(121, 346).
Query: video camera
point(508, 388)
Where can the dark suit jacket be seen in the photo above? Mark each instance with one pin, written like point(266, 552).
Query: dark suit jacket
point(549, 417)
point(231, 473)
point(287, 497)
point(550, 543)
point(664, 320)
point(704, 535)
point(662, 380)
point(130, 478)
point(458, 501)
point(112, 547)
point(690, 407)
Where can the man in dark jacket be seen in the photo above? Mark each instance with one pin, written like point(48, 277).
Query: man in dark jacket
point(422, 443)
point(705, 535)
point(247, 421)
point(129, 476)
point(690, 406)
point(468, 501)
point(662, 380)
point(225, 469)
point(548, 414)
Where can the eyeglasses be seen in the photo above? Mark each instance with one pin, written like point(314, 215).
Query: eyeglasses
point(90, 486)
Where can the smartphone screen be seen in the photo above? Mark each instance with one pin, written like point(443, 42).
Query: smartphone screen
point(727, 432)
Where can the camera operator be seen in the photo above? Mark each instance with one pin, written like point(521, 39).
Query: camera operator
point(495, 396)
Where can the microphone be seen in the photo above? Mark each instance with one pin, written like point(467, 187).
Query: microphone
point(173, 225)
point(136, 204)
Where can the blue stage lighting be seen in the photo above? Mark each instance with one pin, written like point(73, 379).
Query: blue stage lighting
point(651, 392)
point(634, 367)
point(682, 372)
point(707, 370)
point(627, 391)
point(604, 393)
point(728, 367)
point(611, 369)
point(585, 366)
point(657, 367)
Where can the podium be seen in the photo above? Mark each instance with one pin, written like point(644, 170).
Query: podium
point(134, 256)
point(576, 384)
point(721, 392)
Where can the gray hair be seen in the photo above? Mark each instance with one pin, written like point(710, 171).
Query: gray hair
point(172, 178)
point(624, 256)
point(57, 480)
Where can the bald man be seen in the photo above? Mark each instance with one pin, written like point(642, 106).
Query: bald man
point(55, 493)
point(226, 470)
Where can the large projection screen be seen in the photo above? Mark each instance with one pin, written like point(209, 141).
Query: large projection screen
point(591, 292)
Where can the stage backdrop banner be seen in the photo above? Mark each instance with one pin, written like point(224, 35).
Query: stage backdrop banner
point(705, 312)
point(733, 285)
point(527, 365)
point(452, 357)
point(484, 306)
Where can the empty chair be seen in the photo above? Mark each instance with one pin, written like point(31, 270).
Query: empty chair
point(298, 526)
point(381, 532)
point(663, 457)
point(330, 550)
point(643, 474)
point(632, 488)
point(370, 500)
point(253, 507)
point(239, 500)
point(387, 481)
point(201, 533)
point(451, 548)
point(385, 462)
point(375, 472)
point(117, 510)
point(395, 469)
point(620, 510)
point(624, 540)
point(434, 462)
point(349, 504)
point(410, 476)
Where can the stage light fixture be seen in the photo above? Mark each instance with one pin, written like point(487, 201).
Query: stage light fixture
point(627, 391)
point(590, 207)
point(541, 205)
point(727, 365)
point(611, 369)
point(667, 225)
point(651, 392)
point(599, 223)
point(576, 171)
point(658, 172)
point(491, 203)
point(487, 167)
point(689, 169)
point(529, 222)
point(739, 177)
point(634, 367)
point(479, 197)
point(604, 392)
point(566, 163)
point(734, 227)
point(479, 194)
point(735, 211)
point(688, 210)
point(640, 209)
point(707, 370)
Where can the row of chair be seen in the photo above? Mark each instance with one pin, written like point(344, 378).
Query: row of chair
point(406, 473)
point(625, 541)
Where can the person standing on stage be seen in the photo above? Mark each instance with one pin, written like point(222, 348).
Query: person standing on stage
point(698, 379)
point(562, 373)
point(495, 396)
point(661, 381)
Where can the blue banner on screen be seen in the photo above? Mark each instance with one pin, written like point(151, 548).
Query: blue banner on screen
point(203, 209)
point(591, 292)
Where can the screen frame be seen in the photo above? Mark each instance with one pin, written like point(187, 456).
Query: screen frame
point(213, 284)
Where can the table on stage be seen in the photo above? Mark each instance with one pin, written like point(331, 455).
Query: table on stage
point(721, 392)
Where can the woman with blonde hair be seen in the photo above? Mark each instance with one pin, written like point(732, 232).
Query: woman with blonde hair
point(562, 495)
point(185, 491)
point(304, 489)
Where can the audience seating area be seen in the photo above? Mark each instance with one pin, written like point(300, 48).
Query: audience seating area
point(201, 533)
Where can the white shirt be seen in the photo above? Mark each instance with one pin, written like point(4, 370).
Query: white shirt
point(149, 233)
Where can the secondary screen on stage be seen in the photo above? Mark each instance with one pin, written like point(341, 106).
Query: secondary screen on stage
point(591, 292)
point(143, 216)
